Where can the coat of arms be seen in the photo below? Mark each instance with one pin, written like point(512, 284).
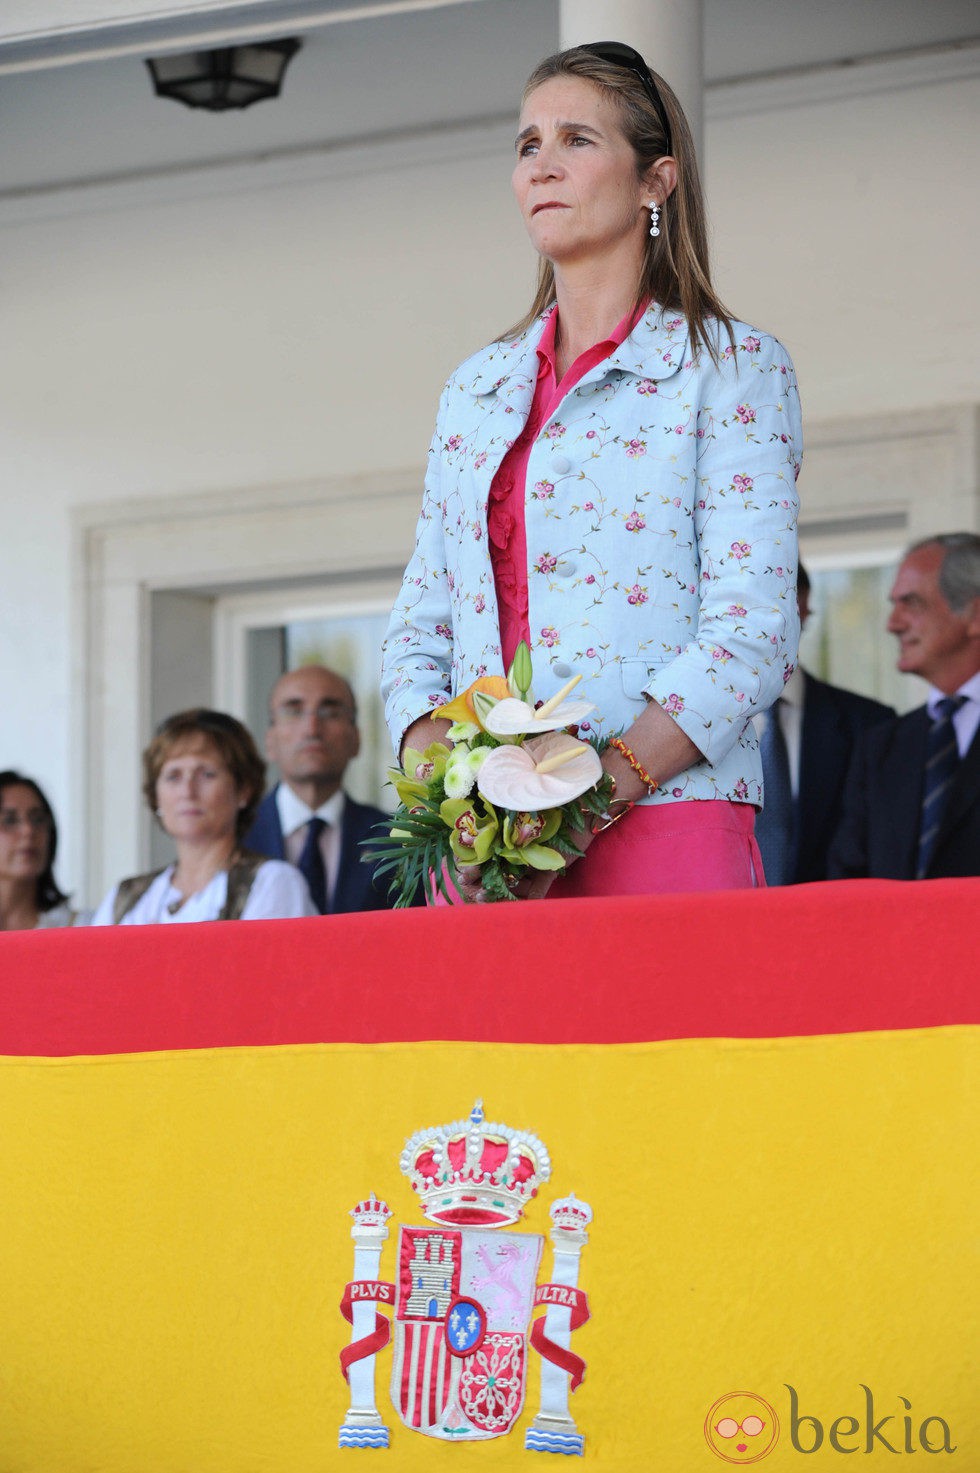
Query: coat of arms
point(465, 1295)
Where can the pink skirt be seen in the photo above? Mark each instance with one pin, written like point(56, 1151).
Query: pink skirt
point(659, 849)
point(664, 848)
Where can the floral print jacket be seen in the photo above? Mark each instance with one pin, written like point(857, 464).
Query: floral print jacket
point(661, 539)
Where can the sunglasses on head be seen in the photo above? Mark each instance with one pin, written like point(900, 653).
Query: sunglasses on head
point(621, 55)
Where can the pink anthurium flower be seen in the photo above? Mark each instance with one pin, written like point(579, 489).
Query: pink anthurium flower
point(544, 772)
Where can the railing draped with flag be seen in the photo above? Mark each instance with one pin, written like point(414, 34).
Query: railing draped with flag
point(766, 1101)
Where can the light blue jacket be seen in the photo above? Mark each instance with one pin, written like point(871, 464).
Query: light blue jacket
point(660, 510)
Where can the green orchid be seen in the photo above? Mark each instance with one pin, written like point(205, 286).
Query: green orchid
point(472, 833)
point(421, 771)
point(524, 838)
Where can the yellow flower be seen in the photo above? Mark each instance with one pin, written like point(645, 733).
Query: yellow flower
point(462, 707)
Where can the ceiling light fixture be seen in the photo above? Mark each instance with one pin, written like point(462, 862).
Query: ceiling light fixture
point(234, 76)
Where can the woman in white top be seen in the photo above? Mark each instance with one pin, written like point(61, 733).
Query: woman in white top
point(203, 778)
point(30, 899)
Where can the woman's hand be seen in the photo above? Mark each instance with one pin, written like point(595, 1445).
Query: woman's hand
point(536, 883)
point(423, 733)
point(660, 746)
point(469, 884)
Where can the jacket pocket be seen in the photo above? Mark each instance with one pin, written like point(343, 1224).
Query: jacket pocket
point(637, 674)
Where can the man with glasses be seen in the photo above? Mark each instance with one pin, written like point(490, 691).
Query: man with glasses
point(307, 818)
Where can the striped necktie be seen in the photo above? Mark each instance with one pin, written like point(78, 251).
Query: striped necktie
point(942, 761)
point(775, 825)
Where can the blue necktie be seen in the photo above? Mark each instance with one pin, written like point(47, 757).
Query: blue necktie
point(942, 761)
point(310, 864)
point(775, 825)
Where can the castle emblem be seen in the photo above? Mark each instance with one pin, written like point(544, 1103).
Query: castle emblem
point(466, 1298)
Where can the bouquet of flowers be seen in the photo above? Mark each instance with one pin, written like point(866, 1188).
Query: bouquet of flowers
point(510, 795)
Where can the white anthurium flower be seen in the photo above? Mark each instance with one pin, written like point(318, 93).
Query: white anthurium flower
point(544, 772)
point(511, 717)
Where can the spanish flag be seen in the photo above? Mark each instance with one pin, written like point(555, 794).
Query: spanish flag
point(265, 1182)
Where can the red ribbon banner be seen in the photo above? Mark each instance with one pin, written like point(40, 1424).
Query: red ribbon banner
point(360, 1291)
point(576, 1300)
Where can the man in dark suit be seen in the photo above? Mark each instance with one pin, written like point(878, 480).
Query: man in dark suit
point(912, 804)
point(308, 819)
point(804, 764)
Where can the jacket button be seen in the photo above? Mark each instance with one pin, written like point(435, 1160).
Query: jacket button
point(565, 569)
point(562, 464)
point(560, 669)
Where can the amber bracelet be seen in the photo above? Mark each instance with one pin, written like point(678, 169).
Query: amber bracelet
point(648, 782)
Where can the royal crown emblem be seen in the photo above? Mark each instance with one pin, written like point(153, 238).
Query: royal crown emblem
point(472, 1174)
point(465, 1295)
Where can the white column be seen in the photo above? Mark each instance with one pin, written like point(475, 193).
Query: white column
point(362, 1425)
point(553, 1429)
point(667, 33)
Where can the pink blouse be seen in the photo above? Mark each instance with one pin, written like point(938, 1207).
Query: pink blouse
point(505, 512)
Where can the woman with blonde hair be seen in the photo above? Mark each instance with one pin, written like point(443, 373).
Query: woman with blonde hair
point(614, 482)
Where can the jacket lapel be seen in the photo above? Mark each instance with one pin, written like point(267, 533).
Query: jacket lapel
point(508, 372)
point(265, 835)
point(502, 379)
point(504, 374)
point(824, 752)
point(964, 793)
point(655, 349)
point(353, 876)
point(502, 387)
point(900, 787)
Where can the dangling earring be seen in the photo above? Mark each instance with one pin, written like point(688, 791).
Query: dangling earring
point(654, 218)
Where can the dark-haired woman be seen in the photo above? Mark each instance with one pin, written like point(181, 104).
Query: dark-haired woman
point(203, 779)
point(30, 899)
point(614, 481)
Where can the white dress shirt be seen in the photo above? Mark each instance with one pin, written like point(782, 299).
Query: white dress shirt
point(967, 718)
point(294, 815)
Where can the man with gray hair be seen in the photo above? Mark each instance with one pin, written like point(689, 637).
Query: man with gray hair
point(912, 804)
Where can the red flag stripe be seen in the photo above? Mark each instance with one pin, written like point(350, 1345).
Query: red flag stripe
point(851, 957)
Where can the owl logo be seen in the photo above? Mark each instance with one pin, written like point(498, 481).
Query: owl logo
point(741, 1428)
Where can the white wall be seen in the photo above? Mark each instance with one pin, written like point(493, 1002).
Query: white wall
point(225, 340)
point(849, 227)
point(221, 343)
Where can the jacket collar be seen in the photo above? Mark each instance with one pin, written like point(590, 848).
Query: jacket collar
point(655, 349)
